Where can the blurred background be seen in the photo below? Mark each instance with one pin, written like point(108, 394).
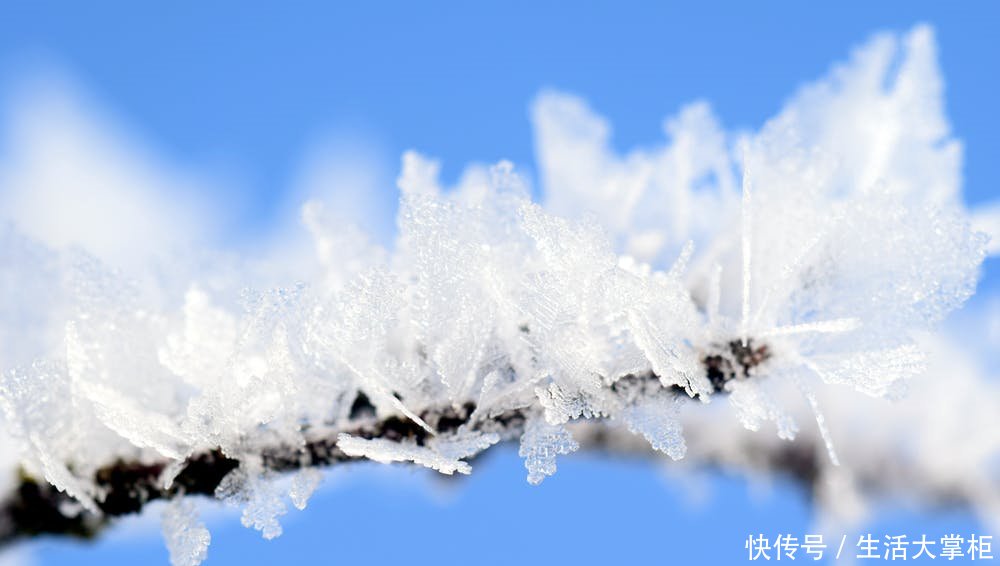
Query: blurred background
point(225, 116)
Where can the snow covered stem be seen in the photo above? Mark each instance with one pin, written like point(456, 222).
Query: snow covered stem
point(36, 507)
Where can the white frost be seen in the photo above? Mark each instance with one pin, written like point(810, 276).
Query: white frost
point(304, 483)
point(540, 444)
point(187, 538)
point(609, 301)
point(657, 420)
point(387, 451)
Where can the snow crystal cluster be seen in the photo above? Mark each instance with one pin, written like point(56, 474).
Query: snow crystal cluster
point(750, 270)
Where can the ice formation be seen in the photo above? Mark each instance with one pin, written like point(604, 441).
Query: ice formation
point(752, 269)
point(187, 539)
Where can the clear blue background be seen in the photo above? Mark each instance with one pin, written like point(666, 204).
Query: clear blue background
point(244, 88)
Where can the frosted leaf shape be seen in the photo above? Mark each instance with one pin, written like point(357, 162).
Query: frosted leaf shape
point(540, 444)
point(186, 537)
point(880, 373)
point(144, 429)
point(657, 420)
point(670, 358)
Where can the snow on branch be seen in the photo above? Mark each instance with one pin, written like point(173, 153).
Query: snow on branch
point(683, 297)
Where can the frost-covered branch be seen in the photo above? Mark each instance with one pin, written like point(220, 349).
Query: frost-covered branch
point(688, 296)
point(37, 508)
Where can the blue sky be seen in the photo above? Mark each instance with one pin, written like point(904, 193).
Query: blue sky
point(242, 91)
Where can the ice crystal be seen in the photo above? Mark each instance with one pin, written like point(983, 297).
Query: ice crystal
point(824, 259)
point(259, 495)
point(656, 419)
point(187, 538)
point(540, 444)
point(304, 483)
point(387, 451)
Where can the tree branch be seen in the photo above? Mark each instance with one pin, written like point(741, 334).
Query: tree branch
point(37, 508)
